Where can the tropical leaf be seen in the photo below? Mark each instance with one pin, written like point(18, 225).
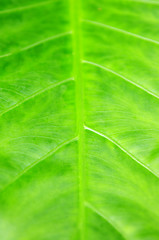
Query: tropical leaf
point(79, 90)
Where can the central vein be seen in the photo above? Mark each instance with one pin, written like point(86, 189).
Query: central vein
point(77, 52)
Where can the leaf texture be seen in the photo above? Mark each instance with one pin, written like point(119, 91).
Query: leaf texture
point(79, 90)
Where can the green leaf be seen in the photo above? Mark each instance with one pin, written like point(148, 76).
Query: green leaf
point(79, 152)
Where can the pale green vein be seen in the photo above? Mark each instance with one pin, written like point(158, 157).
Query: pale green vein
point(50, 153)
point(121, 31)
point(88, 205)
point(122, 77)
point(143, 1)
point(37, 43)
point(11, 90)
point(22, 137)
point(22, 8)
point(77, 49)
point(36, 94)
point(122, 149)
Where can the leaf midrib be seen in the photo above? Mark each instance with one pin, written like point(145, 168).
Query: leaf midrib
point(77, 66)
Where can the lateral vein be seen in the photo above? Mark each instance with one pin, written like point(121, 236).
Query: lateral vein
point(121, 30)
point(36, 94)
point(122, 77)
point(37, 43)
point(93, 209)
point(122, 149)
point(19, 9)
point(144, 1)
point(50, 153)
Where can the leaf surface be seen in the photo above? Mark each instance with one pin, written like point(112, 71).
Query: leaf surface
point(79, 152)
